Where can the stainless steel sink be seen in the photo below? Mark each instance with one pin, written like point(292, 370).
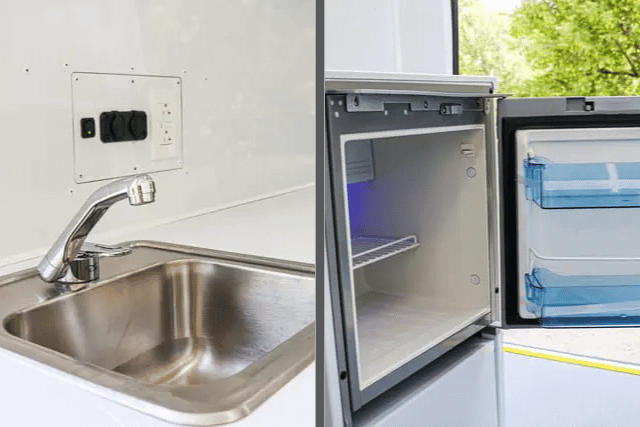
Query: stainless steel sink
point(201, 337)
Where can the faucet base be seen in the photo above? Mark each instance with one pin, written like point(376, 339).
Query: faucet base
point(84, 268)
point(64, 288)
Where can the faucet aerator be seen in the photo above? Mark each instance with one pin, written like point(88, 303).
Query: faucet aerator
point(137, 199)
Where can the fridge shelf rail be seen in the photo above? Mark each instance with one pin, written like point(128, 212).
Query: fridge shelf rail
point(582, 185)
point(369, 249)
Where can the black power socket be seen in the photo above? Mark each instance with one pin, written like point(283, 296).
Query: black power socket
point(116, 126)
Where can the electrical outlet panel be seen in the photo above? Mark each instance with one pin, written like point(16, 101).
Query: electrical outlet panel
point(125, 125)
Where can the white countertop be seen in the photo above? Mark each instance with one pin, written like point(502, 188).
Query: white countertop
point(281, 227)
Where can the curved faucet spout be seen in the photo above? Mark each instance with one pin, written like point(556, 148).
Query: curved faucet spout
point(139, 190)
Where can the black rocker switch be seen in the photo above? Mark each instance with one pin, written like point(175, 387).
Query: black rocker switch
point(88, 127)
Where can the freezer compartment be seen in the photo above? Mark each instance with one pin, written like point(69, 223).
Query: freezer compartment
point(418, 244)
point(584, 292)
point(582, 185)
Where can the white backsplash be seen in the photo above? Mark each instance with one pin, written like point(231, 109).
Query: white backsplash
point(248, 73)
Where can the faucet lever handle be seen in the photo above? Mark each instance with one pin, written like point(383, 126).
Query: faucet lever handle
point(104, 250)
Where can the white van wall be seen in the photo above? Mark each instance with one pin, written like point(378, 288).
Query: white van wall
point(248, 98)
point(395, 36)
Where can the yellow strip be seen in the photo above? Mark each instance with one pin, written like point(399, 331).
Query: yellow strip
point(572, 361)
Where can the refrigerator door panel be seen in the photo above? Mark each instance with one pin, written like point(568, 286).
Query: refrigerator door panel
point(571, 181)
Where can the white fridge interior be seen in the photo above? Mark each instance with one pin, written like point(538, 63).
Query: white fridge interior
point(579, 240)
point(418, 240)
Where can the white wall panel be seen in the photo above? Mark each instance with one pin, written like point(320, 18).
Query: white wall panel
point(399, 36)
point(248, 73)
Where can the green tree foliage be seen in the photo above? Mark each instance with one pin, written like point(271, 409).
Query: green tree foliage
point(580, 47)
point(487, 48)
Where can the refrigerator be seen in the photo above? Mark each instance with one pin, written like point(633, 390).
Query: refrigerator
point(453, 211)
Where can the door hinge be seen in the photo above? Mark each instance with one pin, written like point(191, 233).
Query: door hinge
point(485, 105)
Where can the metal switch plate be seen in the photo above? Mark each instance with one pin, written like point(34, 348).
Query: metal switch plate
point(160, 98)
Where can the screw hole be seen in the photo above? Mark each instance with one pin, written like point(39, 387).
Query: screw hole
point(66, 65)
point(343, 375)
point(133, 81)
point(26, 70)
point(356, 102)
point(497, 291)
point(135, 168)
point(80, 176)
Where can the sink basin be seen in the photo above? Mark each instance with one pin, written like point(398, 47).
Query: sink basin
point(201, 337)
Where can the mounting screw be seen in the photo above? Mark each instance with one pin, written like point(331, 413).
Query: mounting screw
point(406, 112)
point(471, 172)
point(336, 114)
point(386, 113)
point(475, 279)
point(426, 104)
point(80, 176)
point(343, 375)
point(356, 102)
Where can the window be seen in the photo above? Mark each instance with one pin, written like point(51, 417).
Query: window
point(552, 47)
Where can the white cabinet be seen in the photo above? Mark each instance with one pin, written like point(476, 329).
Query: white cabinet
point(401, 36)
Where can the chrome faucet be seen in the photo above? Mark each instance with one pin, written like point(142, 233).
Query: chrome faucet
point(71, 262)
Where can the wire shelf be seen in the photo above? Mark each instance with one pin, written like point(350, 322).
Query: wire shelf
point(370, 249)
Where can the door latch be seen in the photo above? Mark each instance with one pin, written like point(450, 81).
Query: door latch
point(450, 109)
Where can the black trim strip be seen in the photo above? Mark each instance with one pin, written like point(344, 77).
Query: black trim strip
point(455, 36)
